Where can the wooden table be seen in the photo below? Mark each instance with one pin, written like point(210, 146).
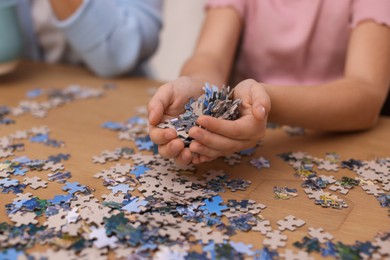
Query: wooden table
point(79, 125)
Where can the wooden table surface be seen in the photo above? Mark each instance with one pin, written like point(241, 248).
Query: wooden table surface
point(78, 124)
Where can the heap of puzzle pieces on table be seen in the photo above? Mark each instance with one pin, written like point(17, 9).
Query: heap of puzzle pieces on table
point(52, 98)
point(155, 209)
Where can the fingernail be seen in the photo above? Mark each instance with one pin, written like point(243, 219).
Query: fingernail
point(262, 112)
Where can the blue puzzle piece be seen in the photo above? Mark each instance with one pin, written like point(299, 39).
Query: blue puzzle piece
point(58, 158)
point(144, 143)
point(10, 254)
point(34, 93)
point(329, 249)
point(4, 110)
point(210, 248)
point(213, 205)
point(31, 204)
point(265, 254)
point(39, 138)
point(14, 189)
point(139, 170)
point(113, 126)
point(6, 121)
point(7, 182)
point(242, 248)
point(248, 151)
point(20, 171)
point(19, 204)
point(21, 159)
point(145, 146)
point(73, 187)
point(59, 176)
point(135, 204)
point(137, 120)
point(124, 188)
point(58, 199)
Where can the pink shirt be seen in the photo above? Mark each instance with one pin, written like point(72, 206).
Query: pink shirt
point(298, 41)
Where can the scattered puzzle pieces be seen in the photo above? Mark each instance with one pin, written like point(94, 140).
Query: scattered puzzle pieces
point(156, 209)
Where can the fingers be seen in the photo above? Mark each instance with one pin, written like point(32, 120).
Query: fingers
point(198, 159)
point(171, 149)
point(169, 100)
point(155, 111)
point(161, 136)
point(184, 158)
point(203, 158)
point(206, 150)
point(261, 102)
point(159, 103)
point(170, 146)
point(212, 140)
point(203, 150)
point(240, 129)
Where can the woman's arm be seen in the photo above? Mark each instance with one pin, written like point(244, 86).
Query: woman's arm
point(351, 103)
point(111, 37)
point(213, 56)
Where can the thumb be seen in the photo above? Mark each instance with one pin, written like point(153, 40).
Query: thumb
point(159, 103)
point(261, 104)
point(155, 112)
point(259, 112)
point(255, 94)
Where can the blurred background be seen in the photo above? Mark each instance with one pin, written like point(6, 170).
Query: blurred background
point(182, 22)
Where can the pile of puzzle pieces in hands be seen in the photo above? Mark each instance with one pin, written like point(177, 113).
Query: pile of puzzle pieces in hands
point(214, 102)
point(154, 209)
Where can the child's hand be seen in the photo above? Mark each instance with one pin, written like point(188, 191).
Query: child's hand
point(168, 102)
point(224, 137)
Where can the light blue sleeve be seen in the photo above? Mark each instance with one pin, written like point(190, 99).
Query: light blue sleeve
point(114, 36)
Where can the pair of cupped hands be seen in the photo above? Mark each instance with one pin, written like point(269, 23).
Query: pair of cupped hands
point(216, 137)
